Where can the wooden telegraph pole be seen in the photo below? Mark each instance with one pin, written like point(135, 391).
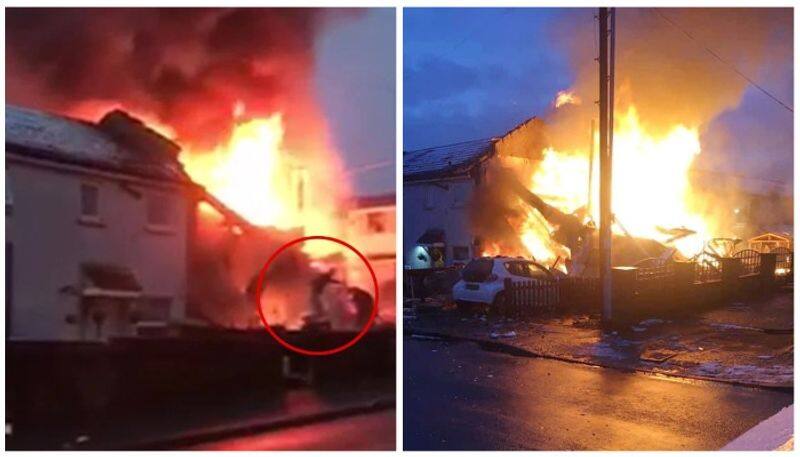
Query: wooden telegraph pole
point(606, 59)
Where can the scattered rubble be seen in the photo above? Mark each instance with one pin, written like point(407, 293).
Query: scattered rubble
point(703, 347)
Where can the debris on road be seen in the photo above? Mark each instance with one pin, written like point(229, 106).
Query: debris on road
point(496, 335)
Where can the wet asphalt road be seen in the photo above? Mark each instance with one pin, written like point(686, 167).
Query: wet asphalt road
point(457, 396)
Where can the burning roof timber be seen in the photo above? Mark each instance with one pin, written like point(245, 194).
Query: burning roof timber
point(118, 143)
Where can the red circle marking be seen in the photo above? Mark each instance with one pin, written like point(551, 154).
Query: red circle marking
point(286, 344)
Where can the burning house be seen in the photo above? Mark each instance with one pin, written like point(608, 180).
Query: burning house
point(254, 143)
point(518, 195)
point(108, 235)
point(670, 195)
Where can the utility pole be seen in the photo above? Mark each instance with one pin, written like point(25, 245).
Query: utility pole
point(606, 59)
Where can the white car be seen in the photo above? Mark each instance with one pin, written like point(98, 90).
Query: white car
point(483, 279)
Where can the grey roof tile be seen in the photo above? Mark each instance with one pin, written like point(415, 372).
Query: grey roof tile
point(445, 160)
point(62, 139)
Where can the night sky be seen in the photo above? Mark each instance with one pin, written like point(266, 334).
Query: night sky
point(476, 73)
point(355, 77)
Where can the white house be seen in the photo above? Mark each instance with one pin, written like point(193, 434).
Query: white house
point(98, 227)
point(371, 228)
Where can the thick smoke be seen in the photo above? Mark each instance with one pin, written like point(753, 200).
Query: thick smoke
point(669, 77)
point(187, 67)
point(672, 79)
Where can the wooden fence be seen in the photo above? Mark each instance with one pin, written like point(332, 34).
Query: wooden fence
point(707, 269)
point(784, 265)
point(658, 288)
point(750, 261)
point(534, 296)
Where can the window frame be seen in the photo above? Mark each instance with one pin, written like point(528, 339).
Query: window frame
point(90, 219)
point(168, 225)
point(430, 201)
point(459, 199)
point(381, 222)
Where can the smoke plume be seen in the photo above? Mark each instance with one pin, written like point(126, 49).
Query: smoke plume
point(187, 67)
point(668, 76)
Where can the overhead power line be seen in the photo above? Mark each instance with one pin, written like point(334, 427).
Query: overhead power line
point(723, 61)
point(370, 167)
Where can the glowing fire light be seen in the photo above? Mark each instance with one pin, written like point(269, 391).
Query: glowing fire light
point(650, 187)
point(566, 98)
point(253, 174)
point(247, 172)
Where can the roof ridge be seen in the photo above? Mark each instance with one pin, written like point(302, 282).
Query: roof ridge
point(410, 151)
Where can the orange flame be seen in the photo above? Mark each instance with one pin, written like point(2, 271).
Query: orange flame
point(248, 172)
point(566, 98)
point(651, 187)
point(257, 177)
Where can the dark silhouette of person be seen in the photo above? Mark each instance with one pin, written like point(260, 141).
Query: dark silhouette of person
point(318, 284)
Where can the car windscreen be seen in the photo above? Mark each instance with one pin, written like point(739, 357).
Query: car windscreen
point(527, 270)
point(477, 270)
point(538, 271)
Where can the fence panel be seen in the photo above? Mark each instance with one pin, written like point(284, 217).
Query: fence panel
point(655, 285)
point(707, 270)
point(784, 264)
point(538, 295)
point(750, 260)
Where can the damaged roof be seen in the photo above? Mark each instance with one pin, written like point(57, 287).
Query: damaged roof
point(459, 158)
point(448, 160)
point(61, 139)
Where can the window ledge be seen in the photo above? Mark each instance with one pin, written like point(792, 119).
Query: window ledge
point(91, 221)
point(160, 229)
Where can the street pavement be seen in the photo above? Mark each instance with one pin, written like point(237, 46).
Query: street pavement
point(460, 397)
point(282, 419)
point(749, 343)
point(375, 431)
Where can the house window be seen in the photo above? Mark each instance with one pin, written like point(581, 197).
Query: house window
point(90, 201)
point(159, 210)
point(460, 252)
point(459, 196)
point(429, 197)
point(376, 222)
